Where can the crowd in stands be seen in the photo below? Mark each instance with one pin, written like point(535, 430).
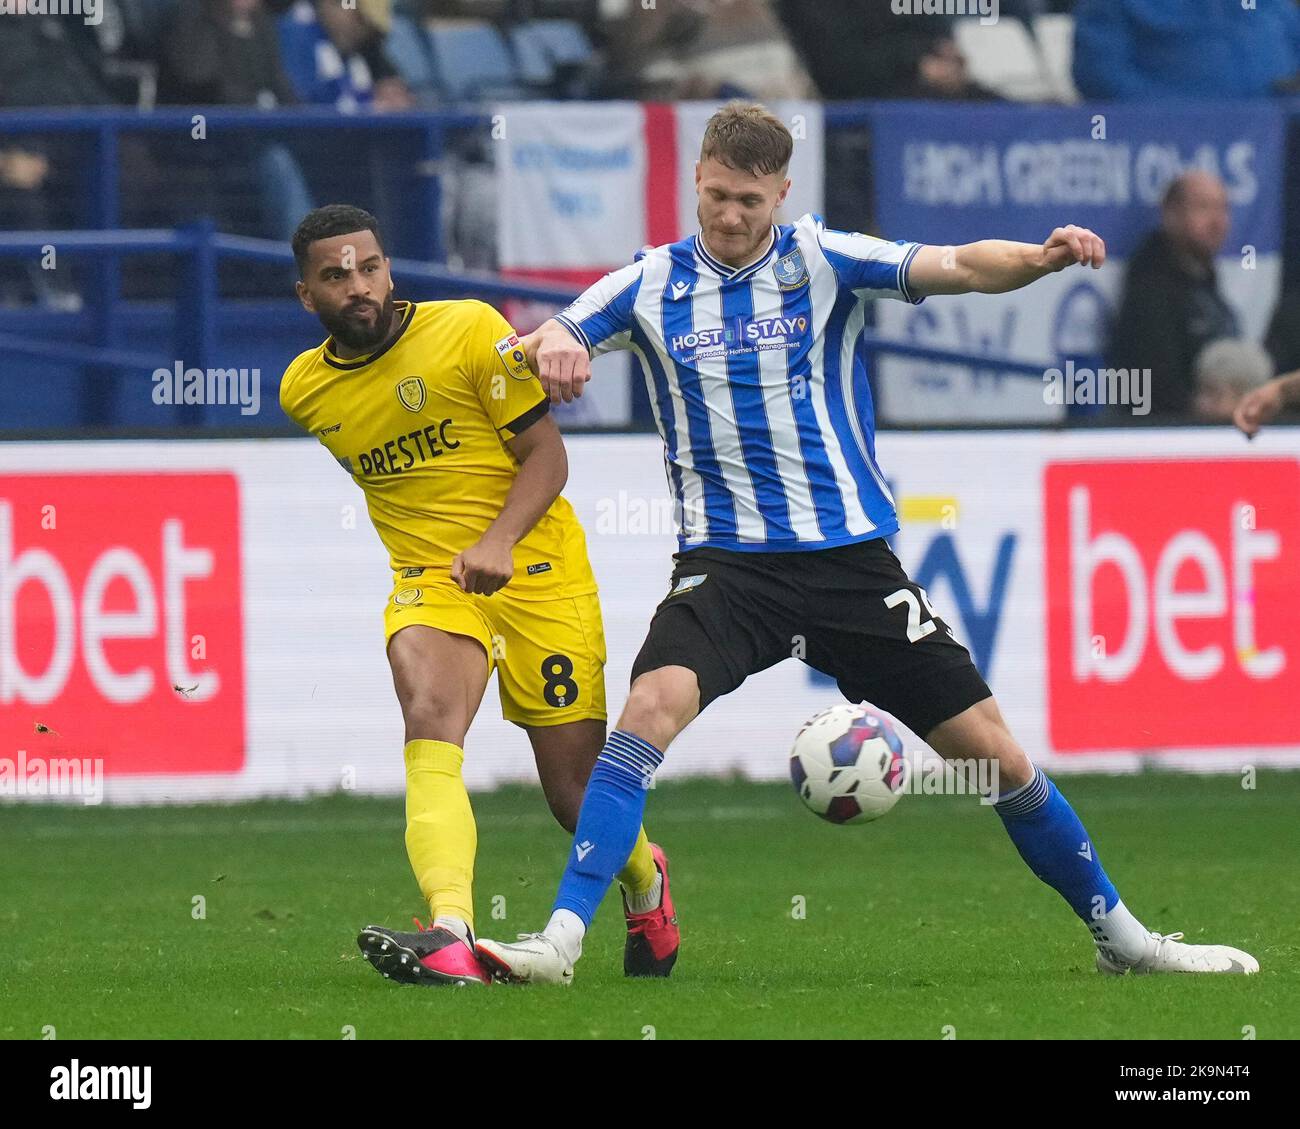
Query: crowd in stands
point(394, 54)
point(375, 56)
point(1128, 50)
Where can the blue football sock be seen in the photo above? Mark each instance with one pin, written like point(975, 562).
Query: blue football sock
point(608, 823)
point(1052, 841)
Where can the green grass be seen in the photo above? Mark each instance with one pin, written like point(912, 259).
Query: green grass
point(925, 920)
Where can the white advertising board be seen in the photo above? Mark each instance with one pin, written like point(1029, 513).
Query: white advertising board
point(206, 617)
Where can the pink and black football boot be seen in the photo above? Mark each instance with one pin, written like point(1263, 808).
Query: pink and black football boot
point(431, 956)
point(653, 938)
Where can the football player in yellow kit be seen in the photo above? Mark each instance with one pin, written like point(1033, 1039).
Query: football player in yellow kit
point(433, 410)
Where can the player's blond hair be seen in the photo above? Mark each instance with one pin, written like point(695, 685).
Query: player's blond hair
point(749, 137)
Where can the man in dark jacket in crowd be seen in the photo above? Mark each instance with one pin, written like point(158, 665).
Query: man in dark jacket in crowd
point(227, 53)
point(223, 53)
point(863, 50)
point(1171, 307)
point(41, 64)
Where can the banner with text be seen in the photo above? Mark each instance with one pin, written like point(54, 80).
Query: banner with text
point(952, 175)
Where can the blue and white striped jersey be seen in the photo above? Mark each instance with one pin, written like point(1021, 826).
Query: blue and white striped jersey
point(758, 380)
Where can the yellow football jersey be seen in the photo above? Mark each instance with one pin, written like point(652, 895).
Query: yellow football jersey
point(420, 425)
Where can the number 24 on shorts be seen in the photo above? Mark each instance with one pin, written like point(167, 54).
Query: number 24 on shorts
point(916, 630)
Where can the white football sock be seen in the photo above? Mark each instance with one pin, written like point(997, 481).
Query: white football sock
point(566, 929)
point(1121, 933)
point(644, 903)
point(456, 925)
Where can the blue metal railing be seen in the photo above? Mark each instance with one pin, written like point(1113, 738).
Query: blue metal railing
point(105, 128)
point(200, 247)
point(99, 208)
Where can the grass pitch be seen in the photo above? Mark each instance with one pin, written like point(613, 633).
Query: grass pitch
point(922, 925)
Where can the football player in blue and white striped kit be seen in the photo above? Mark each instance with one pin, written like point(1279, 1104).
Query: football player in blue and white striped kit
point(749, 336)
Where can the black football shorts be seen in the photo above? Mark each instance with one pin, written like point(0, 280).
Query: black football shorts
point(850, 612)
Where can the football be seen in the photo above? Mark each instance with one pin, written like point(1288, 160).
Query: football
point(848, 765)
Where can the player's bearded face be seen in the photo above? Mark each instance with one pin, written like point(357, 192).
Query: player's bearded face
point(736, 209)
point(359, 323)
point(348, 286)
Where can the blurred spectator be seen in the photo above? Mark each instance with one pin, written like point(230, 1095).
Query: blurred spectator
point(1227, 370)
point(23, 173)
point(644, 43)
point(704, 49)
point(335, 55)
point(225, 52)
point(1129, 49)
point(863, 50)
point(121, 48)
point(1171, 306)
point(41, 64)
point(1031, 9)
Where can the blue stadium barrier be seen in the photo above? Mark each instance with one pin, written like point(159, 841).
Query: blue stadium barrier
point(103, 130)
point(74, 387)
point(112, 336)
point(195, 339)
point(205, 243)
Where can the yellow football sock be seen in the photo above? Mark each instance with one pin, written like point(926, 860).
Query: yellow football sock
point(638, 876)
point(441, 838)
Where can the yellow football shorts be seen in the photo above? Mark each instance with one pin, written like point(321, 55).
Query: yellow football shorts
point(549, 654)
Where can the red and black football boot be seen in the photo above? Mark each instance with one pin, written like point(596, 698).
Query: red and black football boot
point(432, 956)
point(653, 938)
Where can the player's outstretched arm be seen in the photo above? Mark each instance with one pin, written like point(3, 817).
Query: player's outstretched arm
point(560, 361)
point(488, 564)
point(995, 266)
point(599, 320)
point(1262, 405)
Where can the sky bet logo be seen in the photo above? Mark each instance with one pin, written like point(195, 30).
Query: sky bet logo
point(741, 334)
point(1171, 617)
point(121, 616)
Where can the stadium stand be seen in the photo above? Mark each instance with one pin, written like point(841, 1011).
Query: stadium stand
point(408, 50)
point(473, 62)
point(431, 177)
point(1133, 49)
point(1055, 36)
point(1007, 59)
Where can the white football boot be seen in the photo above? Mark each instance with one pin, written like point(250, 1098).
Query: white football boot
point(1169, 954)
point(534, 959)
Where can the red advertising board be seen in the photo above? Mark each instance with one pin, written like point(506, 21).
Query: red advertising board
point(1173, 619)
point(121, 626)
